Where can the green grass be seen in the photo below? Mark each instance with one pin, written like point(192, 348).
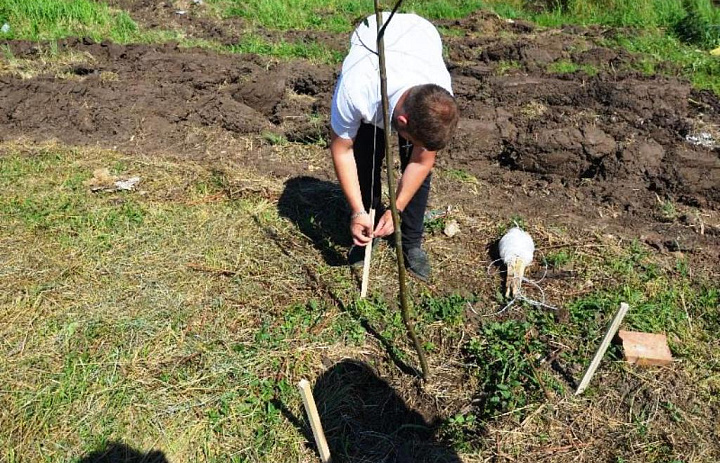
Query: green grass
point(662, 31)
point(701, 68)
point(568, 67)
point(101, 357)
point(313, 51)
point(56, 19)
point(504, 67)
point(461, 175)
point(701, 24)
point(334, 15)
point(617, 13)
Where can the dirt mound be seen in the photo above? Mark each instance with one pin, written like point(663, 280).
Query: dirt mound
point(611, 127)
point(151, 96)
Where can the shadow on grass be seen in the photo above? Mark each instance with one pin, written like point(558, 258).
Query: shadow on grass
point(390, 349)
point(117, 452)
point(324, 290)
point(318, 208)
point(365, 420)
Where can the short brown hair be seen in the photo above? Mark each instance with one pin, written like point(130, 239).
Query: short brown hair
point(432, 115)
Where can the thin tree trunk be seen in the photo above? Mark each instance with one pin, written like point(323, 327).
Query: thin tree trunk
point(404, 308)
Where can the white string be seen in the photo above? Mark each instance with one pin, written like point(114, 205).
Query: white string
point(375, 130)
point(545, 266)
point(520, 296)
point(372, 174)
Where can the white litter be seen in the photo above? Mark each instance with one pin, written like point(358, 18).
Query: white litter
point(103, 181)
point(181, 12)
point(5, 28)
point(127, 185)
point(702, 139)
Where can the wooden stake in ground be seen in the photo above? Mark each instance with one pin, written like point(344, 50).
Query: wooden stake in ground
point(368, 254)
point(603, 347)
point(314, 418)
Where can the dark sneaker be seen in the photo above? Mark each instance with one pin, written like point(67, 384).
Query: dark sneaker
point(356, 255)
point(417, 263)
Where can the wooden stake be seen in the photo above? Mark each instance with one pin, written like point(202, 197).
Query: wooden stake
point(513, 280)
point(603, 347)
point(314, 418)
point(368, 254)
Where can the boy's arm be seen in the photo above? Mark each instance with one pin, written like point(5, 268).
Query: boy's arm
point(346, 170)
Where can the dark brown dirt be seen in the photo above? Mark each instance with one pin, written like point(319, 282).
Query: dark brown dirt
point(557, 145)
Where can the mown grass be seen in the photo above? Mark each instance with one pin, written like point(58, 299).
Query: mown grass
point(55, 19)
point(179, 316)
point(115, 329)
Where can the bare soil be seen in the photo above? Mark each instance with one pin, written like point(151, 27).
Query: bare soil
point(605, 150)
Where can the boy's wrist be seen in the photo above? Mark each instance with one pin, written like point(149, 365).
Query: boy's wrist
point(357, 214)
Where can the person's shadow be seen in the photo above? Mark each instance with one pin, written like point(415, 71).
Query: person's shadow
point(319, 210)
point(365, 420)
point(117, 452)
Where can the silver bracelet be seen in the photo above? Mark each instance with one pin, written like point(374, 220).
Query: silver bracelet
point(357, 214)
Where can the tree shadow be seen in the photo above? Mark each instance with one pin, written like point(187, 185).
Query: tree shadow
point(325, 290)
point(117, 452)
point(365, 420)
point(319, 210)
point(390, 349)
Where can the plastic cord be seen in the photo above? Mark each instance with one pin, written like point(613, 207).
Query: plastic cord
point(521, 296)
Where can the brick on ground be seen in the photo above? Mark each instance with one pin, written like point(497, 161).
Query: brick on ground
point(645, 348)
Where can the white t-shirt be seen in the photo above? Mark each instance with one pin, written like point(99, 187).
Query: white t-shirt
point(413, 56)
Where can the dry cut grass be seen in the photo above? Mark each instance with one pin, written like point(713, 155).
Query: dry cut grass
point(179, 316)
point(49, 60)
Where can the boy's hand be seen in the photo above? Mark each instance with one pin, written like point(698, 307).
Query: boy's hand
point(361, 229)
point(385, 226)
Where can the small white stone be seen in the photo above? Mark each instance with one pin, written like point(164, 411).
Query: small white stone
point(451, 228)
point(127, 185)
point(702, 139)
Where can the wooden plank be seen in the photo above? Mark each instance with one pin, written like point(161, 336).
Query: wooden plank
point(314, 417)
point(603, 347)
point(366, 265)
